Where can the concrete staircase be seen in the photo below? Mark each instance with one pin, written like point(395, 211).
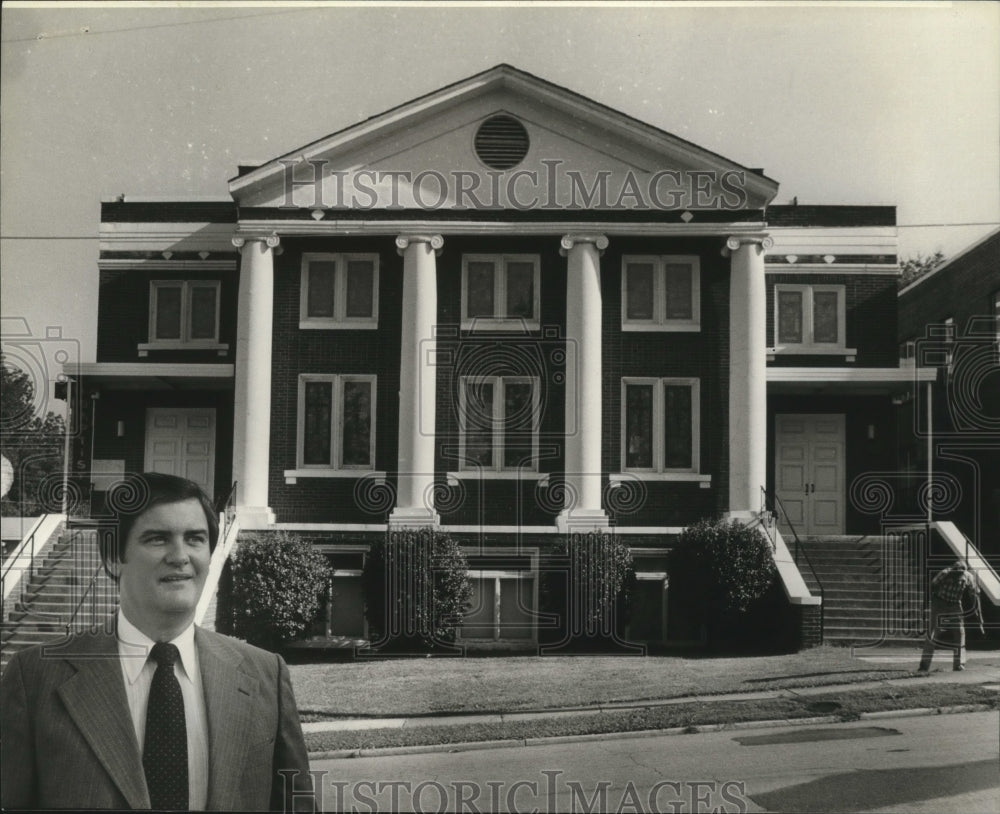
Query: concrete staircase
point(872, 590)
point(67, 576)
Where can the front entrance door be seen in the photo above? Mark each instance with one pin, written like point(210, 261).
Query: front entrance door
point(181, 441)
point(809, 471)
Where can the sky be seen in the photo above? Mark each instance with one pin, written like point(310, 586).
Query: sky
point(884, 103)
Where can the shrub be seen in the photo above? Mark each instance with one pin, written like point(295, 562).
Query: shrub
point(724, 572)
point(417, 589)
point(586, 585)
point(276, 582)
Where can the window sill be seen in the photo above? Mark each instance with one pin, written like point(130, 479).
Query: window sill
point(145, 347)
point(292, 475)
point(334, 325)
point(621, 478)
point(483, 325)
point(811, 350)
point(490, 474)
point(667, 327)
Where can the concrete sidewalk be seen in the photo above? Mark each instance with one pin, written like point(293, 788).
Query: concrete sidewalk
point(983, 667)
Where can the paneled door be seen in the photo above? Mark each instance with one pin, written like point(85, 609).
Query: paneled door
point(181, 441)
point(809, 471)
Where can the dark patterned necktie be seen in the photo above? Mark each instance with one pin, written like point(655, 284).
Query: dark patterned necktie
point(164, 756)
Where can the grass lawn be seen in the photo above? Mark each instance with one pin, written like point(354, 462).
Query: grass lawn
point(382, 687)
point(846, 706)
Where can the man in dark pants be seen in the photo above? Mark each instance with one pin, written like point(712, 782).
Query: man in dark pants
point(954, 595)
point(159, 713)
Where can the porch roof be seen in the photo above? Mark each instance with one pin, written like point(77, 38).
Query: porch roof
point(153, 375)
point(847, 381)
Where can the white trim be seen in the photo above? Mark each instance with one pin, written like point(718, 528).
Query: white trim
point(151, 369)
point(339, 320)
point(877, 375)
point(659, 321)
point(500, 321)
point(173, 344)
point(658, 418)
point(489, 474)
point(479, 228)
point(808, 292)
point(292, 475)
point(144, 265)
point(166, 236)
point(473, 529)
point(887, 269)
point(499, 386)
point(336, 465)
point(617, 479)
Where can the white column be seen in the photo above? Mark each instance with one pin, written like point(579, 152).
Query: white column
point(747, 373)
point(417, 382)
point(583, 382)
point(252, 401)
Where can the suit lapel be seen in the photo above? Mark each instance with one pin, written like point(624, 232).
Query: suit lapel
point(95, 699)
point(229, 698)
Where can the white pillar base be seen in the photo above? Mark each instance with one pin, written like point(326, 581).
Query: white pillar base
point(255, 517)
point(572, 521)
point(413, 517)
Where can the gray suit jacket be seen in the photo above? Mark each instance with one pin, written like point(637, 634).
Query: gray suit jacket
point(67, 739)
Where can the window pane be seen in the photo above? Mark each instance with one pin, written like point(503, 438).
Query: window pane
point(477, 419)
point(515, 608)
point(825, 323)
point(639, 426)
point(320, 295)
point(357, 424)
point(518, 423)
point(639, 291)
point(677, 427)
point(360, 288)
point(478, 622)
point(479, 294)
point(677, 287)
point(521, 290)
point(168, 312)
point(790, 316)
point(203, 312)
point(316, 434)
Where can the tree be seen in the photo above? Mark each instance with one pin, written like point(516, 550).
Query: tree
point(32, 443)
point(916, 267)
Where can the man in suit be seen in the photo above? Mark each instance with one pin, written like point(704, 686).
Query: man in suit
point(159, 713)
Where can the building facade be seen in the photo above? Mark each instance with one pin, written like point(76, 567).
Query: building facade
point(511, 312)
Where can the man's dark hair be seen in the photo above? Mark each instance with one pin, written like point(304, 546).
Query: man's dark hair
point(136, 494)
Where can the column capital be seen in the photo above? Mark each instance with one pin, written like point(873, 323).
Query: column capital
point(567, 242)
point(436, 242)
point(733, 243)
point(271, 241)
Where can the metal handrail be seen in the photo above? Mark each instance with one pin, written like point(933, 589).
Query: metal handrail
point(777, 506)
point(89, 591)
point(15, 555)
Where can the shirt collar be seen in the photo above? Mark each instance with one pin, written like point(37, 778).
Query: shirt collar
point(134, 647)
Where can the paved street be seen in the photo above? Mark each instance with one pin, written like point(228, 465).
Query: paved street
point(918, 764)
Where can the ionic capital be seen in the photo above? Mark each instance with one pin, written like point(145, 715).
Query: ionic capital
point(760, 242)
point(436, 242)
point(567, 242)
point(271, 241)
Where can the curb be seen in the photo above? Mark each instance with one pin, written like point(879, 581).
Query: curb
point(468, 746)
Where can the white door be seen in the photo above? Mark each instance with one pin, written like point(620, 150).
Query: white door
point(809, 471)
point(181, 441)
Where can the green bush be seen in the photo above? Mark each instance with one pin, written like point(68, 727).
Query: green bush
point(417, 589)
point(585, 584)
point(276, 584)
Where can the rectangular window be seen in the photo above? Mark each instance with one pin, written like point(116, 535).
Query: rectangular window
point(336, 421)
point(661, 293)
point(184, 312)
point(809, 316)
point(500, 291)
point(498, 422)
point(660, 425)
point(339, 291)
point(502, 607)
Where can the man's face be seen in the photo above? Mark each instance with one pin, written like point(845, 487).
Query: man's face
point(165, 562)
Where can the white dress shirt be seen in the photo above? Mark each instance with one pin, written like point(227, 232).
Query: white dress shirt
point(138, 669)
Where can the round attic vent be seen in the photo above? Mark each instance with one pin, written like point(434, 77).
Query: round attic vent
point(501, 142)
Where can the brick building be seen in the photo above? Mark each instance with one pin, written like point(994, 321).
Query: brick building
point(510, 311)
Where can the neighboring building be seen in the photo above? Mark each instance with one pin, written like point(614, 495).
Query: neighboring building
point(511, 311)
point(949, 319)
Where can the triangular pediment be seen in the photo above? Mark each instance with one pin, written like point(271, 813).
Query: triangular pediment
point(571, 153)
